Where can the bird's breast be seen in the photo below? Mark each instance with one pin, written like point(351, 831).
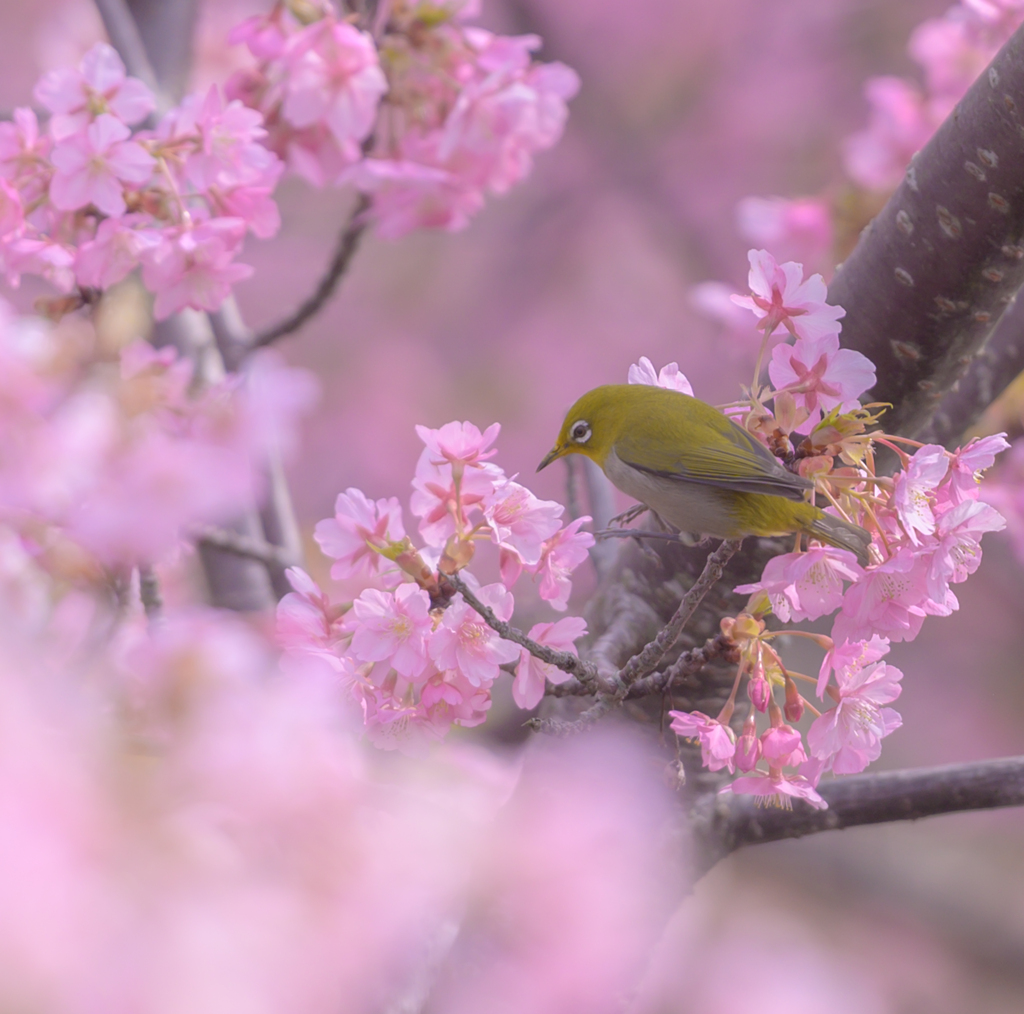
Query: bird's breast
point(690, 506)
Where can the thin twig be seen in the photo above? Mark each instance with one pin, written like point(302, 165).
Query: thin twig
point(688, 664)
point(244, 545)
point(646, 660)
point(149, 592)
point(720, 824)
point(585, 672)
point(348, 243)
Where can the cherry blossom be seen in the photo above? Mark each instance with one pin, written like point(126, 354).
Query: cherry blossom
point(820, 376)
point(561, 555)
point(717, 741)
point(194, 267)
point(777, 789)
point(781, 298)
point(668, 376)
point(849, 656)
point(358, 529)
point(782, 746)
point(957, 553)
point(969, 462)
point(98, 87)
point(804, 586)
point(913, 494)
point(532, 674)
point(521, 522)
point(93, 165)
point(393, 626)
point(849, 736)
point(459, 444)
point(463, 641)
point(334, 76)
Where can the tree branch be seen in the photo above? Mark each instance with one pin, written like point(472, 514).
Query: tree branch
point(348, 243)
point(934, 272)
point(242, 544)
point(585, 672)
point(724, 823)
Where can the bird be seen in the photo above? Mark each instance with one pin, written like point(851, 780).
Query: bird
point(695, 468)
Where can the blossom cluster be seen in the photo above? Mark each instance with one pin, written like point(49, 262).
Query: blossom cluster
point(93, 197)
point(409, 650)
point(926, 523)
point(108, 457)
point(425, 116)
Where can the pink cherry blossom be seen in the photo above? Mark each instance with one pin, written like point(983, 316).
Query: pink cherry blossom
point(93, 165)
point(804, 586)
point(195, 267)
point(968, 464)
point(229, 151)
point(521, 522)
point(408, 195)
point(669, 376)
point(850, 656)
point(891, 600)
point(561, 555)
point(848, 737)
point(781, 298)
point(114, 252)
point(748, 746)
point(357, 527)
point(717, 741)
point(532, 673)
point(392, 627)
point(443, 505)
point(782, 746)
point(459, 444)
point(22, 148)
point(912, 495)
point(777, 789)
point(449, 698)
point(334, 77)
point(820, 376)
point(98, 87)
point(464, 642)
point(957, 550)
point(306, 623)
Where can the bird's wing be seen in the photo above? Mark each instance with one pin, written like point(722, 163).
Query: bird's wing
point(727, 456)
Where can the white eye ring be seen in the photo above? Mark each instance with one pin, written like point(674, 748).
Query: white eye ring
point(579, 432)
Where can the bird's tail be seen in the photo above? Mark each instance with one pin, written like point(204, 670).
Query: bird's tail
point(841, 534)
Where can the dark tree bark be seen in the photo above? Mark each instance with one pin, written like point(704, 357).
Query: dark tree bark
point(935, 271)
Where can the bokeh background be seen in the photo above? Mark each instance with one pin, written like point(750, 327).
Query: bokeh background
point(686, 107)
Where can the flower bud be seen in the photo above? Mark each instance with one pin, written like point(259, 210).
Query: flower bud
point(748, 746)
point(794, 708)
point(759, 692)
point(745, 628)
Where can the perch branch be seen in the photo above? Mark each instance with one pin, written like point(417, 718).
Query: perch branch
point(721, 824)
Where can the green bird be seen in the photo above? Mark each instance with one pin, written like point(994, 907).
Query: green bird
point(695, 467)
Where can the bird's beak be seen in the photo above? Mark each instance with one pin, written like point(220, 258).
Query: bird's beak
point(555, 452)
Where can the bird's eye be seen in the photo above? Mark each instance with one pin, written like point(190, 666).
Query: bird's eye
point(580, 432)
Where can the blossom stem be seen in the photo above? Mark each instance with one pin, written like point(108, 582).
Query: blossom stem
point(348, 243)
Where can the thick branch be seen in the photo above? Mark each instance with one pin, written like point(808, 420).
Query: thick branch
point(721, 824)
point(645, 661)
point(994, 368)
point(934, 272)
point(348, 243)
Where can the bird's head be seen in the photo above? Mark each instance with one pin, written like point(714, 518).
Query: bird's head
point(592, 425)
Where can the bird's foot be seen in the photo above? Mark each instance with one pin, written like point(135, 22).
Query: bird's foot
point(631, 514)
